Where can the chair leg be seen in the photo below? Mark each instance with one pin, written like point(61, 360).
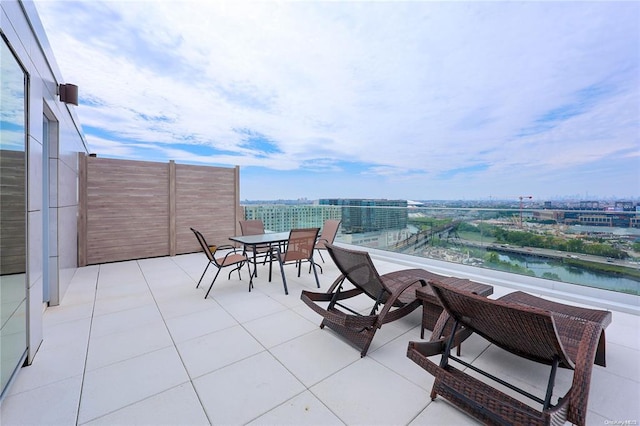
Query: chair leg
point(284, 279)
point(211, 286)
point(237, 268)
point(320, 253)
point(313, 264)
point(318, 265)
point(255, 264)
point(250, 277)
point(202, 276)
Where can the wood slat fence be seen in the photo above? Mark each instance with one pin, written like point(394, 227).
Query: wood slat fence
point(138, 209)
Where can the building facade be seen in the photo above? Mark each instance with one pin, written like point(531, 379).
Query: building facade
point(369, 215)
point(39, 144)
point(280, 218)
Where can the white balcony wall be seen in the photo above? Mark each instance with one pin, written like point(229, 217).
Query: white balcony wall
point(23, 33)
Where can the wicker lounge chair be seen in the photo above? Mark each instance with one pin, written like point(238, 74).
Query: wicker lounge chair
point(536, 329)
point(298, 249)
point(393, 296)
point(231, 258)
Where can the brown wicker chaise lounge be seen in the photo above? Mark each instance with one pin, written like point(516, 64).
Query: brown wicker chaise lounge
point(393, 295)
point(536, 329)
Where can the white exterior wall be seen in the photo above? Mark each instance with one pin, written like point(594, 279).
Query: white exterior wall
point(22, 28)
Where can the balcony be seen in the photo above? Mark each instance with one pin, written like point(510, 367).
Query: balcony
point(135, 342)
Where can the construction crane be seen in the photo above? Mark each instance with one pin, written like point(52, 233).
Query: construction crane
point(522, 197)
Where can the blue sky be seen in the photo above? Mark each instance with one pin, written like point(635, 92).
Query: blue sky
point(386, 99)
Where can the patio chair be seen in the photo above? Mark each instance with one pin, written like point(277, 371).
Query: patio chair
point(264, 252)
point(298, 249)
point(231, 258)
point(558, 335)
point(327, 236)
point(393, 296)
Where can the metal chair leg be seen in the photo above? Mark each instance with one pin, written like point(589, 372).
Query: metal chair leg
point(211, 286)
point(202, 276)
point(313, 264)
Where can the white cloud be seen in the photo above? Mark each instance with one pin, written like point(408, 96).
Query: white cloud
point(407, 91)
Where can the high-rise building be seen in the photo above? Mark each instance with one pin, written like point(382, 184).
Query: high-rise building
point(366, 215)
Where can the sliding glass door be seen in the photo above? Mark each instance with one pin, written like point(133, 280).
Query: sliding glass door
point(13, 216)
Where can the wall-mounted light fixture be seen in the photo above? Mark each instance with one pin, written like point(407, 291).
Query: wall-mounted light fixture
point(68, 93)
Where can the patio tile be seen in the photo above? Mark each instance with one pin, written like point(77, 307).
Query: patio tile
point(176, 406)
point(199, 323)
point(68, 333)
point(278, 328)
point(61, 314)
point(388, 333)
point(306, 312)
point(134, 341)
point(83, 276)
point(441, 412)
point(216, 350)
point(611, 395)
point(114, 322)
point(54, 364)
point(251, 306)
point(122, 302)
point(52, 404)
point(387, 355)
point(304, 409)
point(363, 393)
point(118, 385)
point(251, 388)
point(624, 330)
point(181, 302)
point(315, 356)
point(622, 361)
point(160, 274)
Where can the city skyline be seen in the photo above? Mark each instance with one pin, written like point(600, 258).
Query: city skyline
point(396, 100)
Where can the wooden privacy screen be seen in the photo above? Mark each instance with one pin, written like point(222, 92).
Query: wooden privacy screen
point(138, 209)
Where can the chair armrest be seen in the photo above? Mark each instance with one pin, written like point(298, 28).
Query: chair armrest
point(391, 300)
point(582, 374)
point(233, 251)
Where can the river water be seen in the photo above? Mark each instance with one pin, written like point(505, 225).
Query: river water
point(574, 275)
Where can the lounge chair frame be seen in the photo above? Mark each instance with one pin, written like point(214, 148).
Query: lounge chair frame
point(559, 335)
point(393, 297)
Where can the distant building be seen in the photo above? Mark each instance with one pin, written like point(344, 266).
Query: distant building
point(624, 206)
point(280, 218)
point(369, 215)
point(589, 205)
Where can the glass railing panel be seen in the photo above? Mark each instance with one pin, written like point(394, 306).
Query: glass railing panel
point(592, 248)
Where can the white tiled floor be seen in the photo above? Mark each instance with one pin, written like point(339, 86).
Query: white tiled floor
point(136, 343)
